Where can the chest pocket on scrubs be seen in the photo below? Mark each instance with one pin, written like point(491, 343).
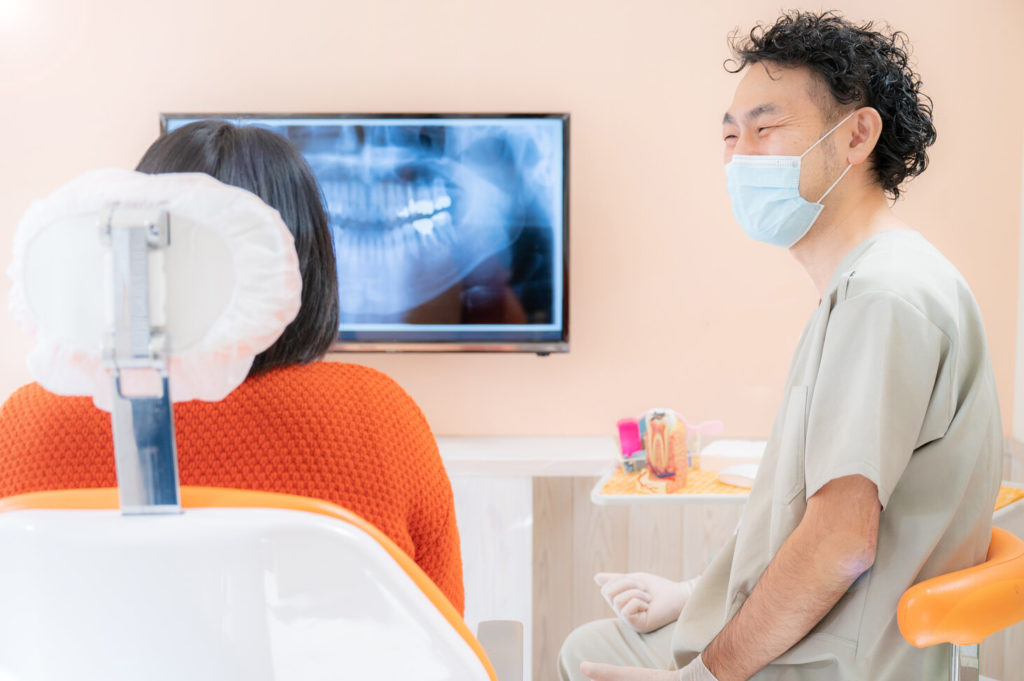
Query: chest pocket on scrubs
point(789, 477)
point(788, 503)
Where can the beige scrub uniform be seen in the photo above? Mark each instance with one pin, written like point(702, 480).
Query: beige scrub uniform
point(891, 380)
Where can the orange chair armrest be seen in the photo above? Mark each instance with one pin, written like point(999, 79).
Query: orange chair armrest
point(966, 606)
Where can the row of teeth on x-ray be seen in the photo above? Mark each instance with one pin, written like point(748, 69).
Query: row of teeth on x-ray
point(389, 205)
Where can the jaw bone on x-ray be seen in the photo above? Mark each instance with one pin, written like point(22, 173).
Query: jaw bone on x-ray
point(439, 224)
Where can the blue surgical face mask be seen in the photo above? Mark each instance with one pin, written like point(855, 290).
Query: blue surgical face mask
point(765, 193)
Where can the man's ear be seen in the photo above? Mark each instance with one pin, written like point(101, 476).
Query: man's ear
point(867, 126)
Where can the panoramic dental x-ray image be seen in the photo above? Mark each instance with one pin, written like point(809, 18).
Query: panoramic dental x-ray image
point(440, 223)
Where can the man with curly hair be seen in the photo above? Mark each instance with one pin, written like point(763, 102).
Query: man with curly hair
point(883, 464)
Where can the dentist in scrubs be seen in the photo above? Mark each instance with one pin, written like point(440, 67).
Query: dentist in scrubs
point(883, 463)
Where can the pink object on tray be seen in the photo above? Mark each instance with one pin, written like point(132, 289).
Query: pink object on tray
point(629, 437)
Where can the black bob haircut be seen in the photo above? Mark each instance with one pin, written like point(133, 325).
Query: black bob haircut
point(267, 165)
point(860, 66)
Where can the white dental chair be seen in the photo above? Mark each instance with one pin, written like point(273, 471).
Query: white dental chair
point(139, 291)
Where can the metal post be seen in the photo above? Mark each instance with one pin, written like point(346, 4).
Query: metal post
point(135, 354)
point(964, 664)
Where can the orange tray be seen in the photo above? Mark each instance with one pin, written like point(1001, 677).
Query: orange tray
point(619, 487)
point(1007, 495)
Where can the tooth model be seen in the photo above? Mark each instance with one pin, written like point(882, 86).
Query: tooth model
point(665, 444)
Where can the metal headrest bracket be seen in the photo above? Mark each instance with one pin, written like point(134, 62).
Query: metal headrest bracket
point(135, 354)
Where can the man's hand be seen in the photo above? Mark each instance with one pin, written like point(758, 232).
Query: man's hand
point(644, 601)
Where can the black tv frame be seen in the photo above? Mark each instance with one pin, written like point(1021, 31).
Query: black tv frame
point(539, 347)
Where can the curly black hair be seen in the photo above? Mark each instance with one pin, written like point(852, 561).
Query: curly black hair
point(861, 66)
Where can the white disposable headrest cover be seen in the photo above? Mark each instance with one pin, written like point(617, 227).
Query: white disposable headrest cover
point(232, 281)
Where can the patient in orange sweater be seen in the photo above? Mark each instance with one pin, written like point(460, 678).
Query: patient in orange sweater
point(339, 432)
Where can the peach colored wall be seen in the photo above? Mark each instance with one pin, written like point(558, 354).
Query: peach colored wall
point(671, 304)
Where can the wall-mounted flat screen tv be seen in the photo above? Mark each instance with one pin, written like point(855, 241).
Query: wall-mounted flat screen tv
point(450, 230)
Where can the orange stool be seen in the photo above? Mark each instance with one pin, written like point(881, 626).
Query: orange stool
point(964, 607)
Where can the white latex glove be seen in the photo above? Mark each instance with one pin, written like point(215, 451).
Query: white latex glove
point(644, 601)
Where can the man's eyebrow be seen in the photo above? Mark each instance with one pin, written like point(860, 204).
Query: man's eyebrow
point(757, 111)
point(761, 110)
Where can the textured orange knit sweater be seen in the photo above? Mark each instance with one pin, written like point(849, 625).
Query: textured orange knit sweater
point(339, 432)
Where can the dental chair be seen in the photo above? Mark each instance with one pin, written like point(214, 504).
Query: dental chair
point(965, 607)
point(145, 290)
